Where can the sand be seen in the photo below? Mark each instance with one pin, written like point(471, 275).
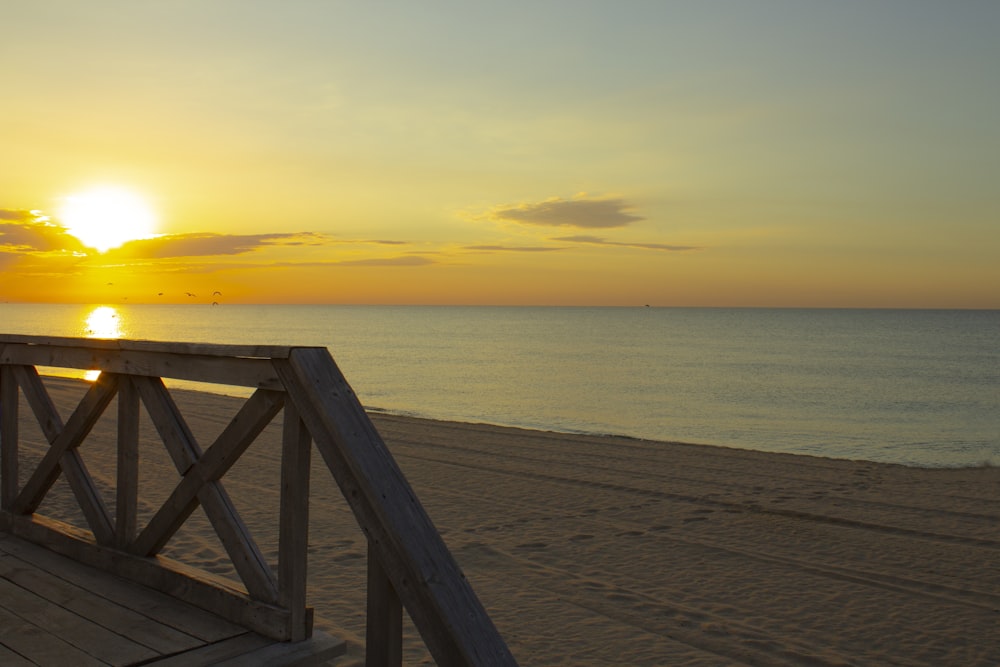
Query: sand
point(612, 551)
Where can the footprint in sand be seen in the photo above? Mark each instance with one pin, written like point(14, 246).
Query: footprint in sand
point(533, 545)
point(631, 533)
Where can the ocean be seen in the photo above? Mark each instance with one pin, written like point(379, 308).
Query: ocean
point(915, 387)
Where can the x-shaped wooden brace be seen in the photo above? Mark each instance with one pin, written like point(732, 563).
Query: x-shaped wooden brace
point(200, 472)
point(63, 455)
point(200, 481)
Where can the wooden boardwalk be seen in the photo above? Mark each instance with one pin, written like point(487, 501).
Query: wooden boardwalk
point(56, 611)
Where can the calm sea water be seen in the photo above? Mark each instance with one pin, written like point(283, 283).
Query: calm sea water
point(904, 386)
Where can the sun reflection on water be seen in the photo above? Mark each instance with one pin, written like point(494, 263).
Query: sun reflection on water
point(102, 322)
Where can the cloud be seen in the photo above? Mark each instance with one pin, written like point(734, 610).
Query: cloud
point(30, 231)
point(20, 216)
point(408, 260)
point(503, 248)
point(401, 260)
point(597, 240)
point(581, 212)
point(201, 245)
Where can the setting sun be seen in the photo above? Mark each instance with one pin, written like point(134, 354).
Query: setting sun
point(107, 217)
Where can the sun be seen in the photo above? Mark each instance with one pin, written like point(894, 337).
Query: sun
point(107, 217)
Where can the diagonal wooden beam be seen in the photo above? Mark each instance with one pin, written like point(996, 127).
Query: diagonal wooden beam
point(243, 552)
point(401, 536)
point(256, 413)
point(63, 455)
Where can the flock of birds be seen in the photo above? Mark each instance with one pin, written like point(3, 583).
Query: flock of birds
point(192, 295)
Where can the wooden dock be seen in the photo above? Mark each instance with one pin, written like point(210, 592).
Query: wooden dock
point(56, 611)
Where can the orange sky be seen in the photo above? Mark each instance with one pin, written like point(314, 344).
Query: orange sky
point(719, 154)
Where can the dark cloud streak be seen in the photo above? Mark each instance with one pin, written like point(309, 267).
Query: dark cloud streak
point(503, 248)
point(201, 245)
point(582, 213)
point(597, 240)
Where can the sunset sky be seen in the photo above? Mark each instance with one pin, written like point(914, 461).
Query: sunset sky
point(696, 153)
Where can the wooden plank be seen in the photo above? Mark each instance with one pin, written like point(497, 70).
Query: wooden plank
point(158, 637)
point(317, 650)
point(293, 527)
point(172, 347)
point(213, 654)
point(82, 633)
point(256, 413)
point(442, 604)
point(163, 609)
point(62, 454)
point(243, 551)
point(39, 645)
point(126, 505)
point(10, 659)
point(251, 650)
point(201, 589)
point(9, 400)
point(384, 622)
point(229, 370)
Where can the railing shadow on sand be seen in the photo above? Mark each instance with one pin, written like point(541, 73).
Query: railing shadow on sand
point(409, 565)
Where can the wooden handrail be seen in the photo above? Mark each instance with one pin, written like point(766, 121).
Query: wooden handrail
point(410, 566)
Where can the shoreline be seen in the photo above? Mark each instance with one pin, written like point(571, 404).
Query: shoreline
point(596, 550)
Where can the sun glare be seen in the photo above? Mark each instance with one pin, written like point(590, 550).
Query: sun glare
point(107, 217)
point(102, 322)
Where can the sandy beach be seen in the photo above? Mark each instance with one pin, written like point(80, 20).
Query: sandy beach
point(592, 550)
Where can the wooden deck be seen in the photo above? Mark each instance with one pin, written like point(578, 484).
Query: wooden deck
point(75, 620)
point(56, 611)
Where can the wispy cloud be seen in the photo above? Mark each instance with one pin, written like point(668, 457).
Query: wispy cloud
point(201, 245)
point(506, 248)
point(582, 212)
point(405, 260)
point(597, 240)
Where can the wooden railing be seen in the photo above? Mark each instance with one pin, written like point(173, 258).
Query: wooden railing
point(408, 563)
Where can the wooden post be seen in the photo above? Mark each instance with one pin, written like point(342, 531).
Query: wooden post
point(128, 463)
point(8, 437)
point(384, 630)
point(410, 551)
point(293, 528)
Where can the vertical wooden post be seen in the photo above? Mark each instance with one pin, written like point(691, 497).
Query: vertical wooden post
point(293, 527)
point(8, 437)
point(128, 463)
point(384, 631)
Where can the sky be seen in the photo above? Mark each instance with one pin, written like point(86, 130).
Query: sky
point(763, 153)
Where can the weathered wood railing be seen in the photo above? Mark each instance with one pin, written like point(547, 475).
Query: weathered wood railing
point(408, 563)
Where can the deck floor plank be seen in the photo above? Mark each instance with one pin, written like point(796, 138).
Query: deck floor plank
point(160, 638)
point(56, 611)
point(168, 611)
point(10, 659)
point(82, 633)
point(38, 644)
